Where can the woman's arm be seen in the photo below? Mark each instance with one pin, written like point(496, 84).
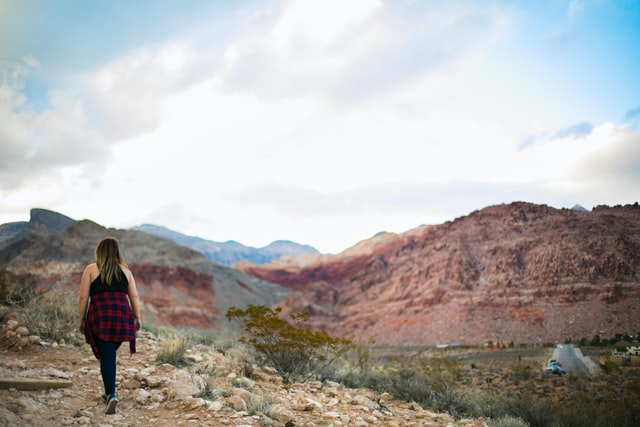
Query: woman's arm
point(133, 298)
point(83, 299)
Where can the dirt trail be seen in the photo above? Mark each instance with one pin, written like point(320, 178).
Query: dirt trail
point(81, 403)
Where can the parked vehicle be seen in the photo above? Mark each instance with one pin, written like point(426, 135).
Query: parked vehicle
point(555, 368)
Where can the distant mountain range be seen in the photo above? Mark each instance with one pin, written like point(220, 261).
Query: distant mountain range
point(223, 253)
point(178, 286)
point(516, 272)
point(231, 252)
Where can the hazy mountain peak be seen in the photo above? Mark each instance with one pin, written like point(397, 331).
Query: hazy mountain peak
point(230, 252)
point(44, 221)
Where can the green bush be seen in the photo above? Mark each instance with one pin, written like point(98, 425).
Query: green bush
point(294, 351)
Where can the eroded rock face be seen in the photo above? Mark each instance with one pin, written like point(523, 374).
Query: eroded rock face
point(176, 295)
point(518, 272)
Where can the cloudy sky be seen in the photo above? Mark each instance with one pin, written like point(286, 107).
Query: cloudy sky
point(322, 122)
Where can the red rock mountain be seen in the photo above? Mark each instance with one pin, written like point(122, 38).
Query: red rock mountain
point(178, 286)
point(519, 272)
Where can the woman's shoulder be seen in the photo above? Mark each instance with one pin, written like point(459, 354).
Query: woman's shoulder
point(126, 271)
point(91, 267)
point(92, 271)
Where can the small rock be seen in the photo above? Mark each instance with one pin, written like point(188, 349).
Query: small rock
point(53, 372)
point(131, 384)
point(281, 413)
point(215, 406)
point(237, 403)
point(15, 364)
point(196, 358)
point(142, 396)
point(154, 381)
point(29, 405)
point(11, 325)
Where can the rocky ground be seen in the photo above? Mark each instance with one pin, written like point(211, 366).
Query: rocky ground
point(214, 389)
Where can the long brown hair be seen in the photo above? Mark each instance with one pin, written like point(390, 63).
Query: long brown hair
point(109, 259)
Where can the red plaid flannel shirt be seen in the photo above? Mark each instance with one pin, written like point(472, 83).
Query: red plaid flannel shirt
point(110, 318)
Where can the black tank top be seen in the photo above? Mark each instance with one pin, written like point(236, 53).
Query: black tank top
point(118, 284)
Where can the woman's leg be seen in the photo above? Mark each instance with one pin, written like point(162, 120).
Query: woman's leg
point(108, 365)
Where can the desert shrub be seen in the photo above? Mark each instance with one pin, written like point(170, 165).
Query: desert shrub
point(294, 351)
point(4, 310)
point(53, 315)
point(521, 371)
point(429, 382)
point(411, 384)
point(535, 413)
point(208, 390)
point(4, 285)
point(487, 405)
point(580, 412)
point(507, 421)
point(453, 402)
point(224, 346)
point(585, 410)
point(172, 351)
point(16, 291)
point(407, 384)
point(260, 404)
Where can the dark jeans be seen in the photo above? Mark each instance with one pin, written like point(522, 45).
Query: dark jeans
point(108, 364)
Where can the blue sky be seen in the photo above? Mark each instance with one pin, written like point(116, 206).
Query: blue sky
point(322, 122)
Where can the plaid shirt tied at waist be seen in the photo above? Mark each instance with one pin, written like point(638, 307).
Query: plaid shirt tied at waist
point(110, 318)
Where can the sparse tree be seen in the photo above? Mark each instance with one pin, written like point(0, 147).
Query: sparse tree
point(294, 351)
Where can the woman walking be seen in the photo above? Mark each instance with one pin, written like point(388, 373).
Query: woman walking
point(109, 312)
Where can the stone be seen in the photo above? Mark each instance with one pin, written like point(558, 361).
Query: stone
point(216, 405)
point(281, 413)
point(11, 325)
point(142, 397)
point(154, 381)
point(243, 393)
point(236, 402)
point(57, 373)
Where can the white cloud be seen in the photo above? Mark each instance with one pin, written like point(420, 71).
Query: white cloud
point(320, 122)
point(609, 173)
point(126, 95)
point(34, 143)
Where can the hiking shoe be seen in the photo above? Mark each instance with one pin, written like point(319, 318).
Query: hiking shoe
point(103, 396)
point(111, 405)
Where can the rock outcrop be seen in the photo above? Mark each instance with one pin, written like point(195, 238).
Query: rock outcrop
point(519, 272)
